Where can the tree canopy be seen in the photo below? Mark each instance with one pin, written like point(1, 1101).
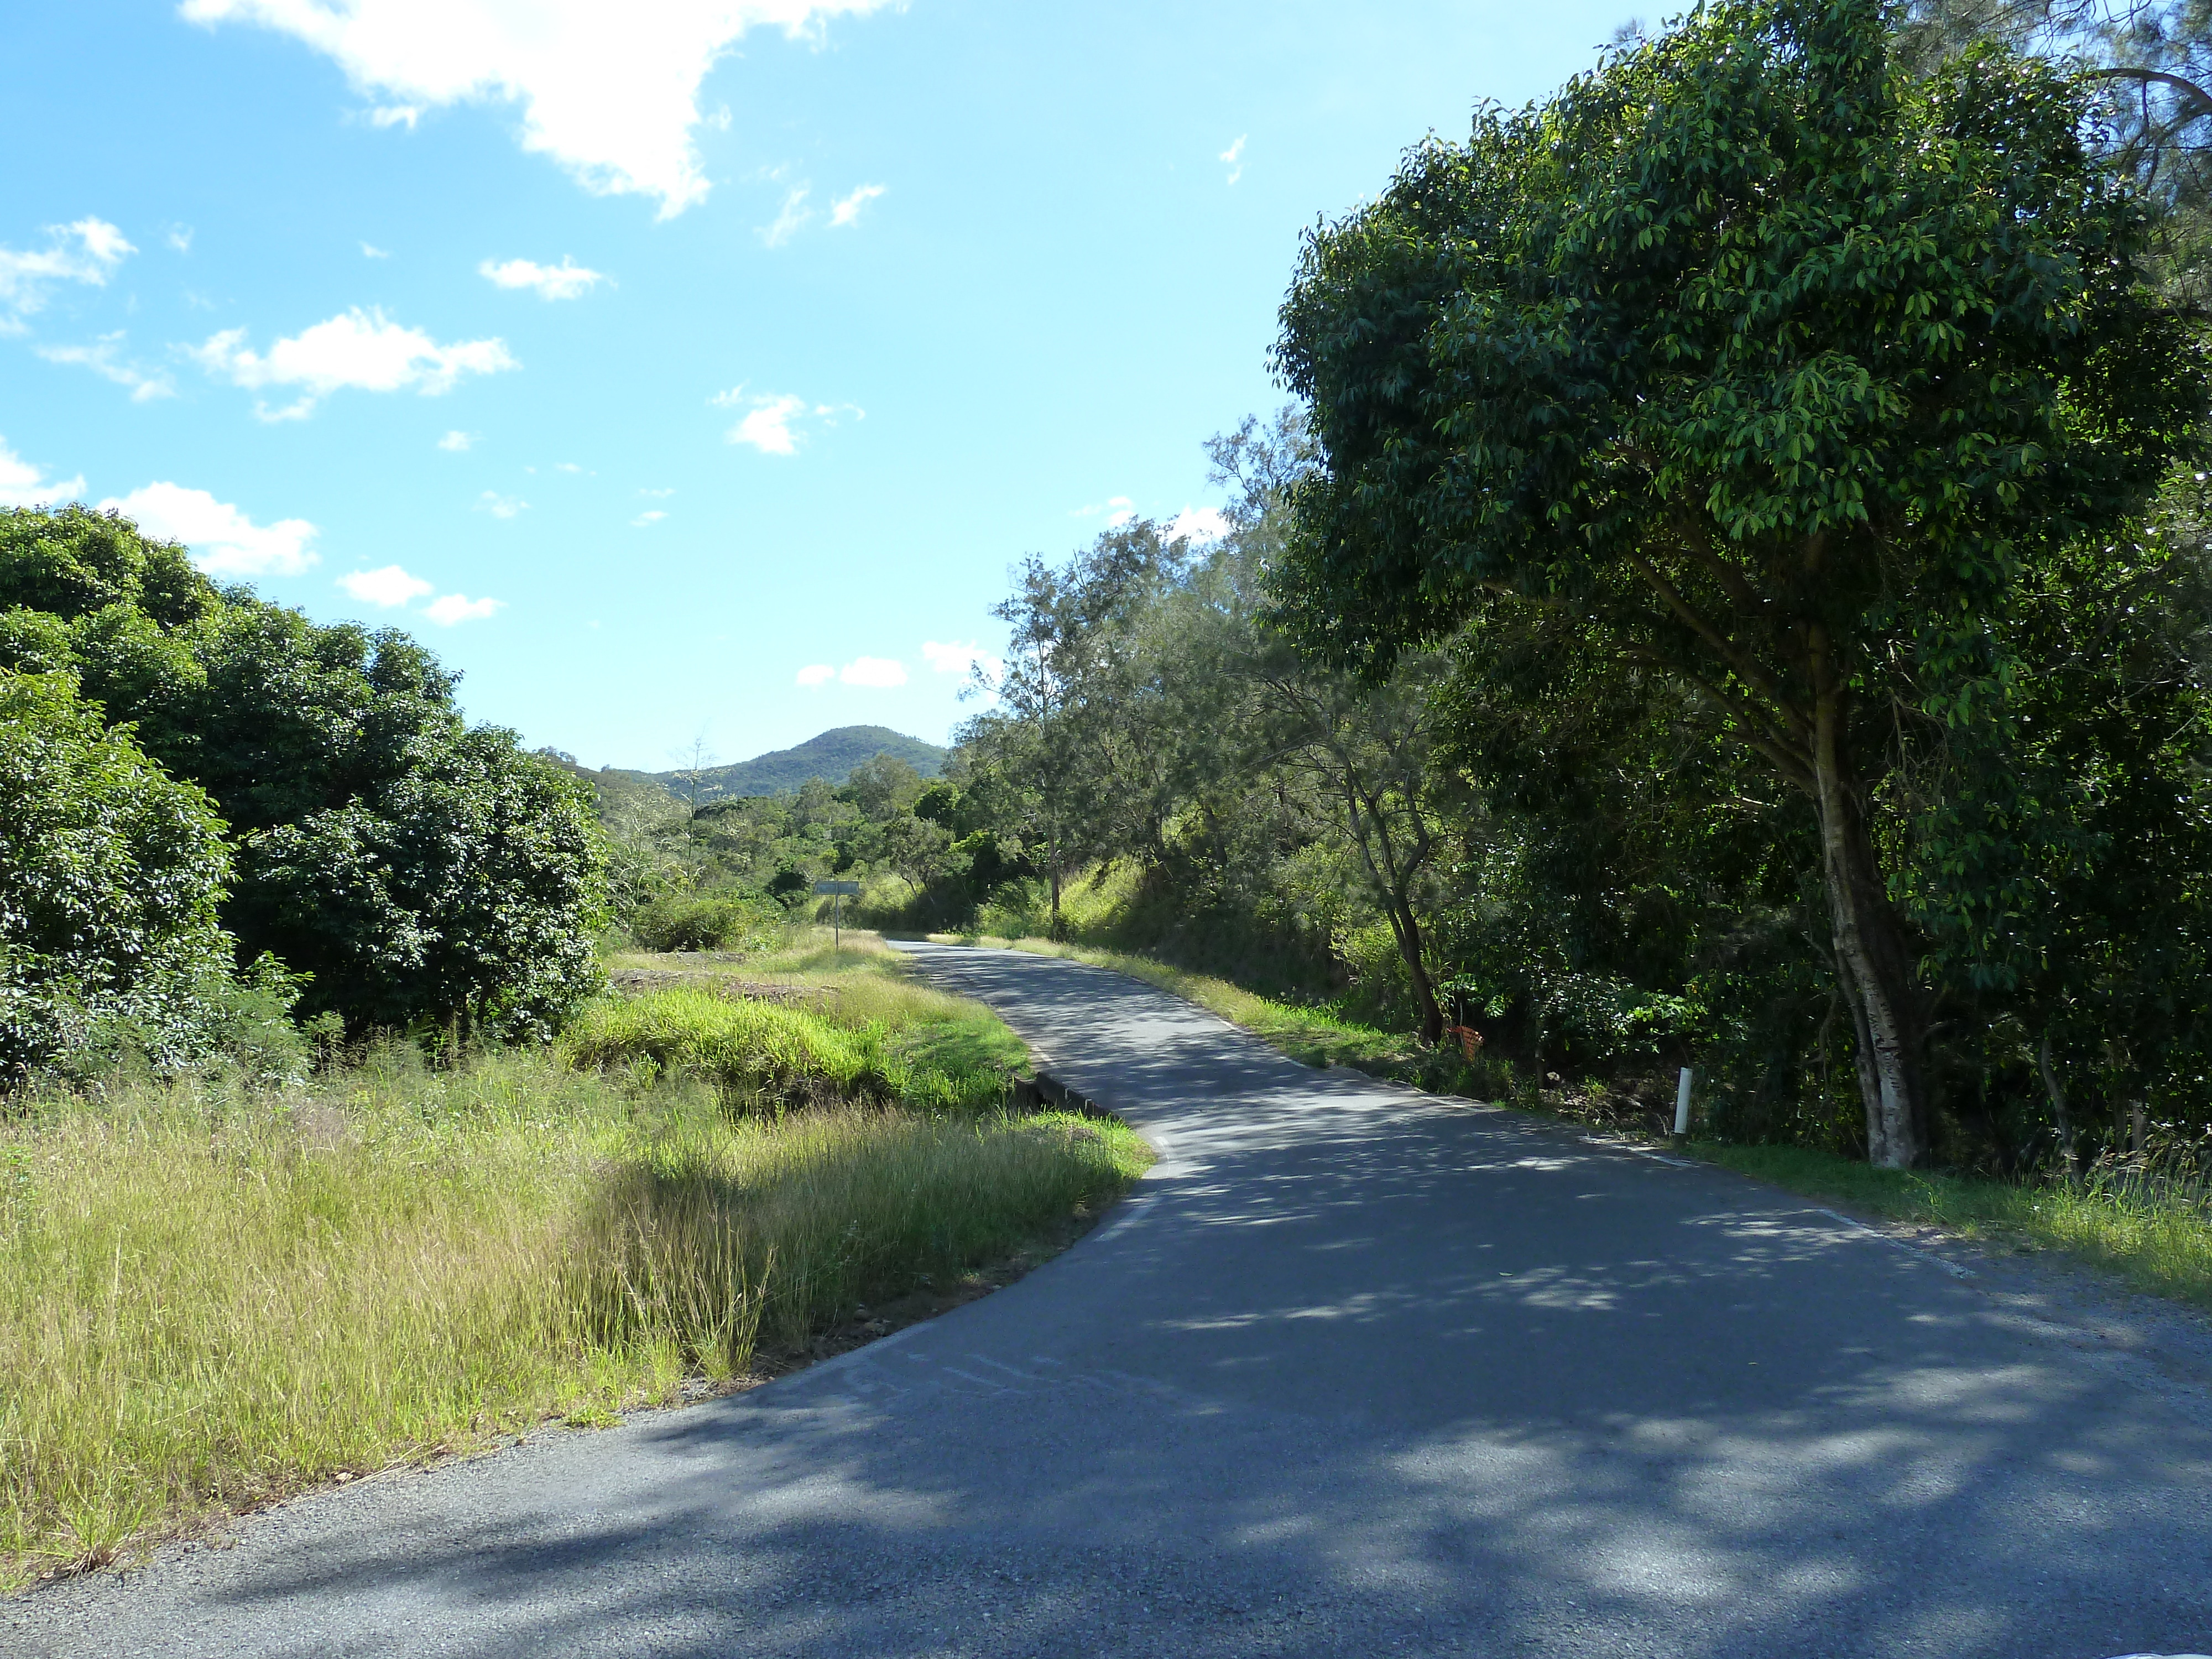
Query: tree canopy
point(420, 870)
point(1780, 369)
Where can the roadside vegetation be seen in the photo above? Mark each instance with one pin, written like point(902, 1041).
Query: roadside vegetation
point(213, 1292)
point(2147, 1220)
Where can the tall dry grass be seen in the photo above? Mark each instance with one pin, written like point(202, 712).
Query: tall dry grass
point(209, 1298)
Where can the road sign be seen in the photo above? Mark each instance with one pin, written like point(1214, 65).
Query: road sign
point(840, 890)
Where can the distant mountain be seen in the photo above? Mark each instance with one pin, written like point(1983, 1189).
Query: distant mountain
point(831, 757)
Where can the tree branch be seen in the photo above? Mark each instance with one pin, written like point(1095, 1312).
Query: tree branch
point(2199, 100)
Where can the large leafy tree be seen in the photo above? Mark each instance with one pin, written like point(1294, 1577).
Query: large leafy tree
point(420, 869)
point(1777, 366)
point(111, 874)
point(2148, 67)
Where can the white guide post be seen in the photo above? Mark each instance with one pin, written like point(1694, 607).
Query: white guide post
point(1682, 1104)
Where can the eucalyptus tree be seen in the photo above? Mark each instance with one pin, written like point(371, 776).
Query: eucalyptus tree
point(2147, 68)
point(1082, 721)
point(1775, 365)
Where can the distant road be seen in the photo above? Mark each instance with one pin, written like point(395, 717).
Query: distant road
point(1356, 1372)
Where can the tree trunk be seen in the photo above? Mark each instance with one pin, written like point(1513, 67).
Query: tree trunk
point(1873, 970)
point(1394, 878)
point(1408, 932)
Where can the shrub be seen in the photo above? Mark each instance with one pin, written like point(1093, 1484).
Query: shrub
point(418, 869)
point(705, 922)
point(752, 1052)
point(111, 872)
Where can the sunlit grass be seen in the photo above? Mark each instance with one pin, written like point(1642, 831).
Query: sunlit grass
point(2158, 1241)
point(209, 1298)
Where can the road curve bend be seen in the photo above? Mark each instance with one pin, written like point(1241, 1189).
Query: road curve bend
point(1355, 1371)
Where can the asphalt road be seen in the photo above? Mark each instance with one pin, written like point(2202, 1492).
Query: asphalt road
point(1356, 1372)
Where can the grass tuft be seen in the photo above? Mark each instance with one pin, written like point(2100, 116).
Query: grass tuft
point(2157, 1240)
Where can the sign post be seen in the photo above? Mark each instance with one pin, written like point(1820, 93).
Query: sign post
point(841, 891)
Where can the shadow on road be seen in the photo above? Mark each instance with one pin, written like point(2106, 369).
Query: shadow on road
point(1357, 1371)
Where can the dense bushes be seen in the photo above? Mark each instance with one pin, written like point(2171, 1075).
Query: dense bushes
point(412, 870)
point(110, 876)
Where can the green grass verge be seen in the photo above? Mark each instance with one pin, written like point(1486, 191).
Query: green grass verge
point(2154, 1241)
point(210, 1297)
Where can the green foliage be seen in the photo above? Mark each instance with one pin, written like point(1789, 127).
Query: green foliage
point(1775, 371)
point(753, 1052)
point(467, 889)
point(685, 921)
point(420, 870)
point(861, 1029)
point(111, 876)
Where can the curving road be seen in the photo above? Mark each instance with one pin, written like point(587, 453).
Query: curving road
point(1356, 1372)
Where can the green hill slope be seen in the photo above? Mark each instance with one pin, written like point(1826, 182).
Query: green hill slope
point(830, 756)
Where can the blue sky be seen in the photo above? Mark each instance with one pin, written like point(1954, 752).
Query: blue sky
point(680, 366)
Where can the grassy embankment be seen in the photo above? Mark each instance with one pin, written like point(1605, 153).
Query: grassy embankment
point(208, 1297)
point(2150, 1235)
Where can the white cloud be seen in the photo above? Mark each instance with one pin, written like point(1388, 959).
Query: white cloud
point(223, 540)
point(566, 281)
point(361, 349)
point(788, 222)
point(391, 587)
point(644, 518)
point(767, 427)
point(180, 238)
point(1118, 510)
point(611, 92)
point(87, 251)
point(370, 251)
point(24, 483)
point(500, 507)
point(1200, 523)
point(104, 358)
point(456, 441)
point(815, 673)
point(395, 115)
point(956, 659)
point(881, 673)
point(656, 495)
point(1235, 156)
point(449, 610)
point(768, 424)
point(847, 210)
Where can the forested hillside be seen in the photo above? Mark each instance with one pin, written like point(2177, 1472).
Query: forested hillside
point(828, 757)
